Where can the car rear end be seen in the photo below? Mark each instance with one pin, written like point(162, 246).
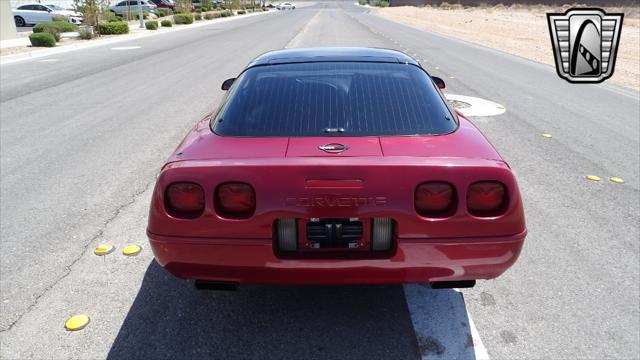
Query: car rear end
point(244, 200)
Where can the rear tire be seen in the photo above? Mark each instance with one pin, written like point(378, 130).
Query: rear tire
point(19, 21)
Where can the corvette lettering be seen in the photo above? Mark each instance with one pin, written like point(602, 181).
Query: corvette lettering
point(336, 201)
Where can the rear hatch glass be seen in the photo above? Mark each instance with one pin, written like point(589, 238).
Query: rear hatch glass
point(334, 99)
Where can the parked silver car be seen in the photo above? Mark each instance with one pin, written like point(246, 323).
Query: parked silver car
point(132, 5)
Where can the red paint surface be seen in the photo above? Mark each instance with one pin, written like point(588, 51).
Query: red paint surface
point(386, 171)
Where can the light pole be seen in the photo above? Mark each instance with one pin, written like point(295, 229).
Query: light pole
point(140, 15)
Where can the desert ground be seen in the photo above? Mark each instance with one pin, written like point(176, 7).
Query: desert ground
point(518, 29)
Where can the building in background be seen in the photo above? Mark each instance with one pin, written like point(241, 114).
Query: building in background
point(7, 25)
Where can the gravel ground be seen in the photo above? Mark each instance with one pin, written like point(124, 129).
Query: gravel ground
point(518, 30)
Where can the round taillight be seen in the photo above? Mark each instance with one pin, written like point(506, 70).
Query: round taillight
point(435, 199)
point(184, 200)
point(486, 198)
point(235, 200)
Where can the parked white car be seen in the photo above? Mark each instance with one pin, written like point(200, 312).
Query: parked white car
point(74, 17)
point(132, 5)
point(286, 6)
point(31, 14)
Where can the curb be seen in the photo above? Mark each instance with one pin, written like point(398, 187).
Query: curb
point(12, 59)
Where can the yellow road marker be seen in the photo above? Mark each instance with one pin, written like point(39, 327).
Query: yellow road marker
point(616, 179)
point(131, 250)
point(593, 177)
point(102, 250)
point(548, 136)
point(77, 322)
point(452, 77)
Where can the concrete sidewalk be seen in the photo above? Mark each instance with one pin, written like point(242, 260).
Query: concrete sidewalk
point(21, 41)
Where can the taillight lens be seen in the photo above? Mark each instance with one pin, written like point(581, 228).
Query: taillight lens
point(435, 199)
point(184, 200)
point(235, 200)
point(486, 198)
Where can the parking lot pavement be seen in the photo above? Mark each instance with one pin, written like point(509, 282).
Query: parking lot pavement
point(83, 135)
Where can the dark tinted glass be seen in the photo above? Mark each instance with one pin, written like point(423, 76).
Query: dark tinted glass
point(336, 99)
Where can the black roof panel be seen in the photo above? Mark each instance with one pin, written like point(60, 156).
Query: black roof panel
point(328, 54)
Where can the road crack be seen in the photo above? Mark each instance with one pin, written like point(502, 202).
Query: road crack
point(69, 267)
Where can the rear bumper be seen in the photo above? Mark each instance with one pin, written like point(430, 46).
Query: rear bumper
point(415, 261)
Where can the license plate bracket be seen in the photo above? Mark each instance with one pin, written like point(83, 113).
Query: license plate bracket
point(334, 233)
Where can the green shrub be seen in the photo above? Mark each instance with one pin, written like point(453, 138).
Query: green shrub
point(54, 32)
point(115, 19)
point(197, 16)
point(151, 25)
point(446, 6)
point(66, 26)
point(114, 28)
point(42, 39)
point(209, 16)
point(162, 12)
point(85, 34)
point(180, 19)
point(241, 12)
point(381, 3)
point(59, 18)
point(166, 23)
point(47, 28)
point(57, 25)
point(135, 15)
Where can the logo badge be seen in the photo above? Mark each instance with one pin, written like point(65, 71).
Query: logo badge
point(585, 43)
point(333, 148)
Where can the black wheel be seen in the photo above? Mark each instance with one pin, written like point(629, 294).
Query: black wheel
point(19, 21)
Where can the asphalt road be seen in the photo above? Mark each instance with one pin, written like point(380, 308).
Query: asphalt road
point(83, 135)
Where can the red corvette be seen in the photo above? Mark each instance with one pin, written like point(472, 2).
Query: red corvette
point(336, 166)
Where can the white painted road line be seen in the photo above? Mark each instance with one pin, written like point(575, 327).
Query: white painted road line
point(443, 326)
point(126, 48)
